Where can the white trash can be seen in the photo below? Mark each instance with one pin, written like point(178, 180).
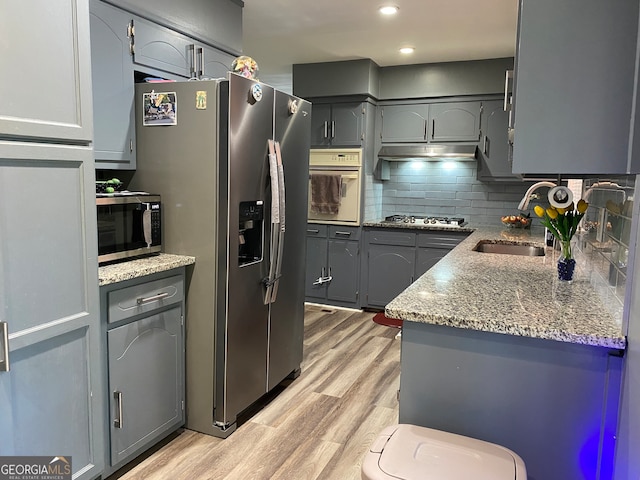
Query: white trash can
point(409, 452)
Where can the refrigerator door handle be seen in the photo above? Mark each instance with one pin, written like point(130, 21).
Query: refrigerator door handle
point(275, 222)
point(281, 229)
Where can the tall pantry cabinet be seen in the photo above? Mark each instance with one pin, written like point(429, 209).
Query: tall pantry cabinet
point(49, 370)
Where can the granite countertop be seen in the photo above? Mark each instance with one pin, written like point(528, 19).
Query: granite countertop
point(119, 272)
point(508, 294)
point(418, 225)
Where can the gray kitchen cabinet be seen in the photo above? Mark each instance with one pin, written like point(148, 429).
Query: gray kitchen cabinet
point(404, 123)
point(390, 270)
point(454, 122)
point(338, 124)
point(50, 364)
point(49, 96)
point(143, 325)
point(494, 163)
point(215, 22)
point(160, 48)
point(316, 263)
point(333, 265)
point(434, 122)
point(397, 257)
point(554, 403)
point(113, 87)
point(574, 86)
point(214, 63)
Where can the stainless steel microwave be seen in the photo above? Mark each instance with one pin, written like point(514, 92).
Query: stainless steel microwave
point(129, 225)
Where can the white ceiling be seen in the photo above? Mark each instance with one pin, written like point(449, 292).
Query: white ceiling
point(279, 33)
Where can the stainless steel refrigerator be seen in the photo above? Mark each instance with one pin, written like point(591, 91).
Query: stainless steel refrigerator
point(241, 210)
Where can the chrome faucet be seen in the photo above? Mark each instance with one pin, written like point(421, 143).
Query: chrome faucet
point(524, 203)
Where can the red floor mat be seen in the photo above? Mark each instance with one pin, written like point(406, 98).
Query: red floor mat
point(384, 320)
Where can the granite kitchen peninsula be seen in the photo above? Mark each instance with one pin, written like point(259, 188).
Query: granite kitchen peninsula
point(495, 347)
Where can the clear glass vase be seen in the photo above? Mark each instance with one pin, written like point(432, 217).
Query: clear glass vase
point(566, 263)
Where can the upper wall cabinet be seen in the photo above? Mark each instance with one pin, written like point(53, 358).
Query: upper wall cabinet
point(160, 48)
point(436, 122)
point(215, 22)
point(338, 124)
point(574, 86)
point(493, 159)
point(112, 73)
point(60, 107)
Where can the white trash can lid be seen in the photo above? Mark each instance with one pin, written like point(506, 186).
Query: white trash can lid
point(409, 452)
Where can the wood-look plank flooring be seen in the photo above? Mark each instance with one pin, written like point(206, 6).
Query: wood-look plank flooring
point(318, 427)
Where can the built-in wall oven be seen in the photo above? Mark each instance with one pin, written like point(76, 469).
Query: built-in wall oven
point(129, 225)
point(335, 186)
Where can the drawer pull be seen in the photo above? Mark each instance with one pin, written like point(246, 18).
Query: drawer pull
point(117, 422)
point(159, 296)
point(347, 234)
point(313, 230)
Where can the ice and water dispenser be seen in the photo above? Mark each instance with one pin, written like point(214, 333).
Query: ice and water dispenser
point(250, 232)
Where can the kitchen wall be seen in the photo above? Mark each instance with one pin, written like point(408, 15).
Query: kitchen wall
point(443, 188)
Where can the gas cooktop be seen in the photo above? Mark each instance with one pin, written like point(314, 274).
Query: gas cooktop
point(428, 220)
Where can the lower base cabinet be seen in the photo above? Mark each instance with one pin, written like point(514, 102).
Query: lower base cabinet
point(333, 265)
point(395, 258)
point(144, 321)
point(553, 403)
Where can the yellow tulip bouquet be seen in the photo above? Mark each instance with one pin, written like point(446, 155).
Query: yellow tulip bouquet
point(563, 223)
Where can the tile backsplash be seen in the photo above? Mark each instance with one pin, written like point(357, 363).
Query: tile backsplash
point(443, 188)
point(604, 237)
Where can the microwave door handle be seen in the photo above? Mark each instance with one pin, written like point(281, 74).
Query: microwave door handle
point(281, 229)
point(146, 225)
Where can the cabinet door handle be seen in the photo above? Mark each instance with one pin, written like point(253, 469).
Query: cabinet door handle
point(192, 67)
point(159, 296)
point(507, 82)
point(346, 234)
point(333, 129)
point(326, 129)
point(424, 133)
point(118, 421)
point(201, 63)
point(433, 129)
point(4, 338)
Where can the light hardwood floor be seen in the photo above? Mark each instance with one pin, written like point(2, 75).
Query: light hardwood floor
point(318, 427)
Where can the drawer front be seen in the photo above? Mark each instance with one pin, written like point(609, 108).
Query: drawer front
point(316, 230)
point(143, 298)
point(391, 237)
point(441, 240)
point(344, 233)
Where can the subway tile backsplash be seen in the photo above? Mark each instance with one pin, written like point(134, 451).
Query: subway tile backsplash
point(604, 236)
point(443, 188)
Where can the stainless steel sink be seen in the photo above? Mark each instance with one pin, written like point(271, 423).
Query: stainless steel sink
point(509, 248)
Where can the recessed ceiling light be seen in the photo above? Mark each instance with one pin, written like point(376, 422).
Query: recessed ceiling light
point(406, 50)
point(388, 10)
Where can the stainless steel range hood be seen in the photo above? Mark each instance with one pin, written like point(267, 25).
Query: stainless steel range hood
point(404, 153)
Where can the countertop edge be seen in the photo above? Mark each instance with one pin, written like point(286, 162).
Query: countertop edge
point(140, 267)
